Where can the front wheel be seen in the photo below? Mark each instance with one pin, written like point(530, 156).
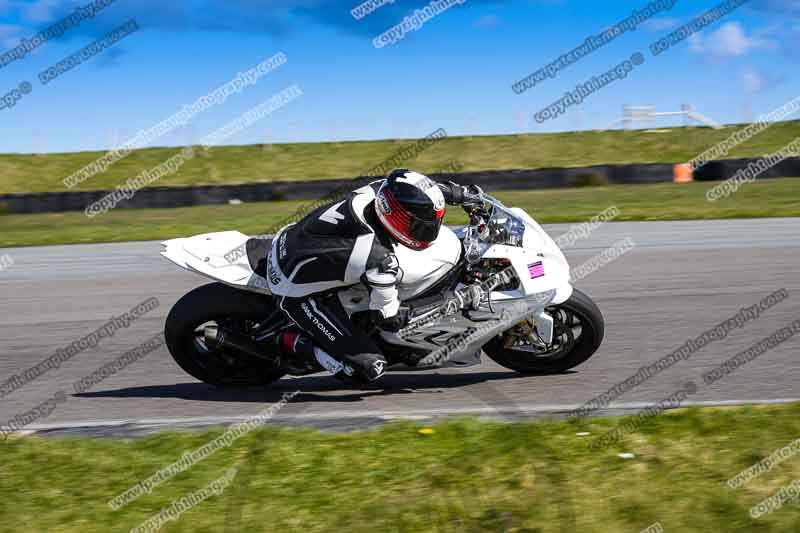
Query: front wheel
point(578, 332)
point(221, 305)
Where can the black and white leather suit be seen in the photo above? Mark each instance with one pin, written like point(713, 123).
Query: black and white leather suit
point(338, 245)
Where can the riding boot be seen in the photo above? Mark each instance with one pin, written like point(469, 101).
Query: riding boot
point(296, 350)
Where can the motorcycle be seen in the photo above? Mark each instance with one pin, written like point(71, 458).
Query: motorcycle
point(499, 285)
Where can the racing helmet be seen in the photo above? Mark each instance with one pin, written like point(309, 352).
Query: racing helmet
point(411, 207)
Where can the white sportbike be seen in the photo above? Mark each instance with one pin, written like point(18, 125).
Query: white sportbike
point(500, 285)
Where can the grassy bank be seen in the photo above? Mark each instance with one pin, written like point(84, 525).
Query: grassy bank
point(464, 476)
point(244, 164)
point(767, 198)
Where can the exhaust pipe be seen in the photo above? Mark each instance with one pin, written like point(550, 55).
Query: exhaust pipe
point(235, 342)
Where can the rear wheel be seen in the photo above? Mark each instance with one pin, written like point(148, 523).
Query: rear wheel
point(229, 308)
point(578, 332)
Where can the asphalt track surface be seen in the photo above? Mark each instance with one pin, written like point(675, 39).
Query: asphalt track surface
point(681, 279)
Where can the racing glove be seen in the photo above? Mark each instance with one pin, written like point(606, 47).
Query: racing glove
point(453, 193)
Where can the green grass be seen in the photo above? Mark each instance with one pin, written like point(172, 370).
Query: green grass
point(245, 164)
point(465, 476)
point(767, 198)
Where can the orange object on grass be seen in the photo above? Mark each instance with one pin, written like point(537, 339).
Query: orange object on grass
point(682, 173)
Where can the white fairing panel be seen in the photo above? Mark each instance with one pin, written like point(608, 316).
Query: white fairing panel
point(536, 237)
point(206, 255)
point(551, 277)
point(422, 269)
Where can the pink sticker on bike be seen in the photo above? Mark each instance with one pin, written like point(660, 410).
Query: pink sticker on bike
point(536, 270)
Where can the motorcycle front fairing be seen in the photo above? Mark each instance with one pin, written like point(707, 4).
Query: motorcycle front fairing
point(553, 274)
point(539, 264)
point(543, 278)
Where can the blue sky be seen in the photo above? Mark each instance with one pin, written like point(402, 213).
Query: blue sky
point(455, 72)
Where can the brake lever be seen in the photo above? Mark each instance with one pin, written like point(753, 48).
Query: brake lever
point(473, 197)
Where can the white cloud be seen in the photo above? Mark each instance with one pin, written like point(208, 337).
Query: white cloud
point(660, 24)
point(728, 41)
point(755, 81)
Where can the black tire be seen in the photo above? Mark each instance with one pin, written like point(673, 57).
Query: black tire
point(593, 329)
point(216, 302)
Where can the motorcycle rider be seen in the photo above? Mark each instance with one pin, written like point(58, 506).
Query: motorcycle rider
point(344, 243)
